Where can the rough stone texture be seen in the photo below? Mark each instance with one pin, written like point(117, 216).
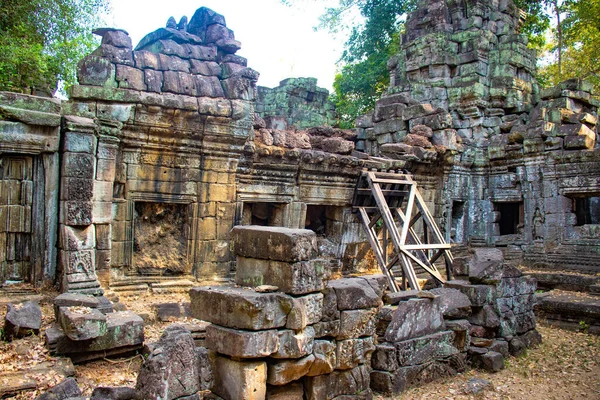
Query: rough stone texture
point(22, 320)
point(64, 390)
point(242, 344)
point(245, 380)
point(273, 243)
point(285, 371)
point(171, 370)
point(124, 334)
point(240, 308)
point(293, 391)
point(113, 393)
point(338, 383)
point(298, 102)
point(414, 318)
point(454, 304)
point(82, 323)
point(356, 293)
point(290, 277)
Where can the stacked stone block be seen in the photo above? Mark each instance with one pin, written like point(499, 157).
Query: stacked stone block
point(286, 332)
point(296, 102)
point(416, 345)
point(87, 329)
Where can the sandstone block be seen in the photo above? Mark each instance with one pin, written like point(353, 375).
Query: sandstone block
point(285, 371)
point(22, 320)
point(479, 295)
point(206, 68)
point(66, 389)
point(486, 317)
point(294, 344)
point(453, 303)
point(325, 358)
point(79, 142)
point(240, 380)
point(426, 349)
point(82, 323)
point(242, 344)
point(338, 383)
point(357, 323)
point(96, 71)
point(356, 293)
point(415, 318)
point(384, 357)
point(274, 243)
point(293, 391)
point(306, 310)
point(296, 278)
point(171, 371)
point(353, 352)
point(130, 78)
point(240, 308)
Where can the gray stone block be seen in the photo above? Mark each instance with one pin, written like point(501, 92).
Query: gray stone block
point(240, 308)
point(82, 323)
point(242, 344)
point(273, 243)
point(415, 318)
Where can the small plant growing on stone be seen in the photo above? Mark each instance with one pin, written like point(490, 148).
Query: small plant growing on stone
point(584, 326)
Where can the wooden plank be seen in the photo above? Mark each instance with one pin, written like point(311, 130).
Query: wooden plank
point(364, 218)
point(409, 210)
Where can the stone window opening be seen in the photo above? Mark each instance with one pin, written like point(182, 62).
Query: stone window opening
point(310, 97)
point(587, 210)
point(316, 219)
point(511, 217)
point(263, 214)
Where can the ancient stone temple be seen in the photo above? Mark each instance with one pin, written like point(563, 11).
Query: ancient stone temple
point(159, 174)
point(507, 164)
point(296, 102)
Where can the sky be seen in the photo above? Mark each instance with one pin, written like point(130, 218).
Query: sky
point(278, 41)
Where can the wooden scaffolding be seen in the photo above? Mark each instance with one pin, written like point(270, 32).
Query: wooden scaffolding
point(401, 230)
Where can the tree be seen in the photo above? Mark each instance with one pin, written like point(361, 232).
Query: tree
point(42, 40)
point(363, 75)
point(580, 42)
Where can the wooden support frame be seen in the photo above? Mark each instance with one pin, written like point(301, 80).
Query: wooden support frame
point(389, 207)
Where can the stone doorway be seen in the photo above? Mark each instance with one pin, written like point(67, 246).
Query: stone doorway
point(160, 239)
point(511, 217)
point(16, 200)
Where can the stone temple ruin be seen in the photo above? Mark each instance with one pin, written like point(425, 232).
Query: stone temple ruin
point(167, 169)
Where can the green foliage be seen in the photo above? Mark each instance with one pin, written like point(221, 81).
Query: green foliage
point(581, 43)
point(42, 40)
point(584, 326)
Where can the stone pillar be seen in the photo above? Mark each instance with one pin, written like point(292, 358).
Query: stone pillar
point(77, 243)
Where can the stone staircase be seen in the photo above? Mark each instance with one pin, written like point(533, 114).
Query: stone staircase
point(570, 300)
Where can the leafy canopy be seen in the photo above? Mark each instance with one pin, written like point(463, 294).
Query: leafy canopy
point(41, 41)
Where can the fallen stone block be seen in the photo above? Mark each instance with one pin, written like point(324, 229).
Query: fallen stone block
point(242, 344)
point(274, 243)
point(486, 265)
point(413, 319)
point(172, 369)
point(166, 312)
point(38, 376)
point(82, 323)
point(240, 308)
point(411, 376)
point(485, 316)
point(113, 393)
point(283, 372)
point(81, 300)
point(490, 361)
point(479, 295)
point(240, 380)
point(64, 390)
point(338, 383)
point(384, 357)
point(453, 303)
point(500, 346)
point(296, 278)
point(426, 349)
point(124, 334)
point(355, 293)
point(22, 320)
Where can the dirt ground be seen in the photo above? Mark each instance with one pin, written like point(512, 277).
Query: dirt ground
point(565, 366)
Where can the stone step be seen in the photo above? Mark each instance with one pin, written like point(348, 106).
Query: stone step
point(128, 290)
point(176, 286)
point(570, 310)
point(568, 281)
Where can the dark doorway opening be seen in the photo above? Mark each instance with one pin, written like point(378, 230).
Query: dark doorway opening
point(511, 217)
point(587, 210)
